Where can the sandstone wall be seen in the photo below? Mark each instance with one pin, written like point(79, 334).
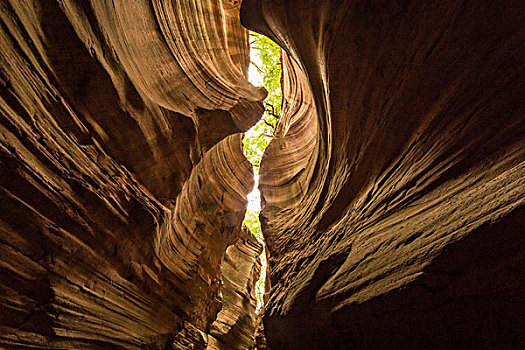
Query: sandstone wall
point(395, 190)
point(122, 178)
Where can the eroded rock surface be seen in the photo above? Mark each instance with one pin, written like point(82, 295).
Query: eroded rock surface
point(122, 178)
point(394, 192)
point(236, 324)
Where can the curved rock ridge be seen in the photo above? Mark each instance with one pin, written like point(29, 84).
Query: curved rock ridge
point(123, 78)
point(298, 126)
point(122, 178)
point(206, 220)
point(403, 226)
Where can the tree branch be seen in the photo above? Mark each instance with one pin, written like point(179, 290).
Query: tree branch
point(257, 67)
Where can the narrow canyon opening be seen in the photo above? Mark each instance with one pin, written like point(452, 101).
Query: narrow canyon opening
point(265, 70)
point(389, 156)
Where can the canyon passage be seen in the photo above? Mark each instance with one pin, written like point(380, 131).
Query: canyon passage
point(392, 187)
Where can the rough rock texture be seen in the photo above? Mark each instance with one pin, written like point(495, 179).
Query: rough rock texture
point(395, 190)
point(122, 178)
point(235, 325)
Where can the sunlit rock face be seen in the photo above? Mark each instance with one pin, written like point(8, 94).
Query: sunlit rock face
point(122, 178)
point(394, 192)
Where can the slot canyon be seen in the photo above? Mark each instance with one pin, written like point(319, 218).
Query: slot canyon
point(392, 192)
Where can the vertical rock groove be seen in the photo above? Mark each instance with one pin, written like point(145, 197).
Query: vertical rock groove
point(383, 198)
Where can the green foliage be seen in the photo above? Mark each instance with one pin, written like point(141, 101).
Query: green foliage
point(251, 220)
point(269, 54)
point(268, 57)
point(268, 63)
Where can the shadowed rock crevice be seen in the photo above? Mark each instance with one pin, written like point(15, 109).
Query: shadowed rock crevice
point(476, 282)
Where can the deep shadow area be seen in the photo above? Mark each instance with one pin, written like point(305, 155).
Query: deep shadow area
point(470, 297)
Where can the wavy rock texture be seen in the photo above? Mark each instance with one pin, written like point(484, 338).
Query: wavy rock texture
point(235, 325)
point(122, 178)
point(394, 192)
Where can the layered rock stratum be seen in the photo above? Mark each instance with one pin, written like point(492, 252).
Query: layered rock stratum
point(393, 192)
